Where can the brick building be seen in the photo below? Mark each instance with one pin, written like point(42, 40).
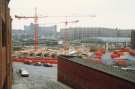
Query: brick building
point(87, 74)
point(5, 45)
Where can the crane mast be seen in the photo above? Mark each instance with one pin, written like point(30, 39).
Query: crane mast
point(66, 43)
point(36, 26)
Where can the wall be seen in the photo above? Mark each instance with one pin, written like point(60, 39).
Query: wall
point(81, 77)
point(5, 46)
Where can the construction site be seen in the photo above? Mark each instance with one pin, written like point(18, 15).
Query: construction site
point(41, 57)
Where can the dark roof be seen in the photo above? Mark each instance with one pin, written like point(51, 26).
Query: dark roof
point(117, 72)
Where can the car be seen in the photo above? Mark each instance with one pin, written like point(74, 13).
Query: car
point(28, 62)
point(23, 72)
point(47, 65)
point(37, 64)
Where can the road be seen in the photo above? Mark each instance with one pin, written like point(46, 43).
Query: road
point(40, 77)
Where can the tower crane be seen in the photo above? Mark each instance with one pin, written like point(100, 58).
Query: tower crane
point(36, 27)
point(66, 22)
point(66, 44)
point(36, 24)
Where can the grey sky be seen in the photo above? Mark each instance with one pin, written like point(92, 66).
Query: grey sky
point(109, 13)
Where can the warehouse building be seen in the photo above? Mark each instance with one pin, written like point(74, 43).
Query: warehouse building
point(81, 33)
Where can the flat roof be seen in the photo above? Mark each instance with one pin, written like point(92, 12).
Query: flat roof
point(108, 69)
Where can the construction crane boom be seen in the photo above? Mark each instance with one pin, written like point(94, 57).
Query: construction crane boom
point(36, 27)
point(36, 24)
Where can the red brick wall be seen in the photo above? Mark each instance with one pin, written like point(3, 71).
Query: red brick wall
point(82, 77)
point(3, 65)
point(5, 46)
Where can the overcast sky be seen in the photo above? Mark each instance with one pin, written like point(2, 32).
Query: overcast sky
point(109, 13)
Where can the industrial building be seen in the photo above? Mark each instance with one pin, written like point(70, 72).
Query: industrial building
point(44, 32)
point(133, 39)
point(81, 33)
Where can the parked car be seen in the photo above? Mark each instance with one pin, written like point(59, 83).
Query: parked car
point(23, 72)
point(37, 64)
point(28, 62)
point(47, 65)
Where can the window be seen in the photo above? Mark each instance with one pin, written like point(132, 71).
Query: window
point(3, 34)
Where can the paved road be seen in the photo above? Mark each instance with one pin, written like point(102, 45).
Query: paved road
point(40, 77)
